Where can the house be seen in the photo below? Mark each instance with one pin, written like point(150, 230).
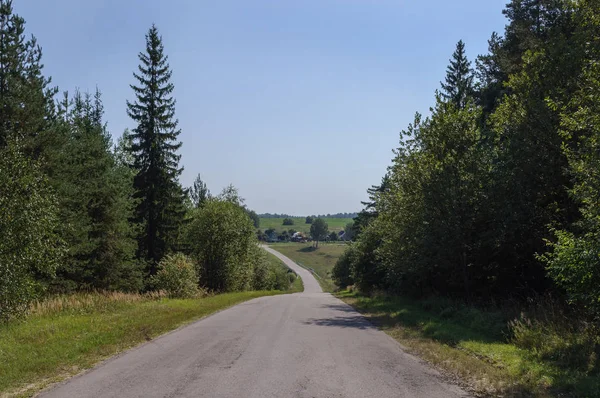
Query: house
point(299, 237)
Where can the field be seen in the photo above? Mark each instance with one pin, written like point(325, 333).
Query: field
point(335, 224)
point(320, 260)
point(68, 334)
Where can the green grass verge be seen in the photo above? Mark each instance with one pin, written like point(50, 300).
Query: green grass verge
point(320, 260)
point(472, 346)
point(335, 224)
point(48, 348)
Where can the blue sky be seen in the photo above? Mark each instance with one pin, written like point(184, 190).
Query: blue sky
point(297, 103)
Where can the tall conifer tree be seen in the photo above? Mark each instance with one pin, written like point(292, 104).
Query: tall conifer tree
point(459, 78)
point(26, 98)
point(154, 147)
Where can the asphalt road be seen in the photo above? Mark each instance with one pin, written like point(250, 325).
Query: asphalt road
point(300, 345)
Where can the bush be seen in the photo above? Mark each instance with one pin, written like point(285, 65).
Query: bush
point(271, 276)
point(29, 247)
point(224, 245)
point(288, 221)
point(342, 270)
point(177, 276)
point(309, 220)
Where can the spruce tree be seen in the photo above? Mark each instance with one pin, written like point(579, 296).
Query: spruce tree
point(199, 192)
point(459, 78)
point(96, 203)
point(26, 100)
point(154, 147)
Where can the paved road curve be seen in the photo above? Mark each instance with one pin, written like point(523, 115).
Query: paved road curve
point(300, 345)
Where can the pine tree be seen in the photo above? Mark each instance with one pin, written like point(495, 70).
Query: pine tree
point(459, 78)
point(154, 146)
point(26, 100)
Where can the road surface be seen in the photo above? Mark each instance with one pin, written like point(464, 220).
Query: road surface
point(307, 344)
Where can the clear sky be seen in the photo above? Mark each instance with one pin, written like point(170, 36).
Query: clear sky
point(297, 103)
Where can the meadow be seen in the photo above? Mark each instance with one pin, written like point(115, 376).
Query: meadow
point(320, 260)
point(335, 224)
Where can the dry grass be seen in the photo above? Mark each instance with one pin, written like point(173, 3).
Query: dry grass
point(89, 301)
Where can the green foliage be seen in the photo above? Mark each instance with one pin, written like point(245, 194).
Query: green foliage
point(29, 246)
point(288, 221)
point(95, 203)
point(26, 100)
point(154, 146)
point(309, 220)
point(199, 192)
point(476, 189)
point(254, 217)
point(458, 87)
point(574, 263)
point(333, 236)
point(224, 246)
point(349, 231)
point(177, 276)
point(272, 274)
point(342, 270)
point(318, 230)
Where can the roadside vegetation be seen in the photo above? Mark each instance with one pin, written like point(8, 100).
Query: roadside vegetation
point(64, 335)
point(81, 213)
point(492, 202)
point(490, 351)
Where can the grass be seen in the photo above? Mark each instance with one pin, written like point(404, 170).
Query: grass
point(335, 224)
point(477, 348)
point(320, 260)
point(67, 334)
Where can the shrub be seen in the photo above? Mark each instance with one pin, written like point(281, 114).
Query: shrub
point(309, 220)
point(176, 276)
point(342, 269)
point(288, 221)
point(29, 247)
point(224, 245)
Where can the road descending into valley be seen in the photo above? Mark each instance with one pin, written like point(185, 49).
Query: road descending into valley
point(306, 344)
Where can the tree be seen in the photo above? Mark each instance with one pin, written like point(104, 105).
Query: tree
point(199, 192)
point(288, 221)
point(26, 100)
point(349, 232)
point(333, 236)
point(95, 203)
point(224, 246)
point(254, 217)
point(231, 194)
point(574, 260)
point(160, 209)
point(459, 78)
point(318, 230)
point(309, 220)
point(30, 248)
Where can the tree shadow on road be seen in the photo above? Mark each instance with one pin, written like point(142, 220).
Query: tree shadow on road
point(356, 322)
